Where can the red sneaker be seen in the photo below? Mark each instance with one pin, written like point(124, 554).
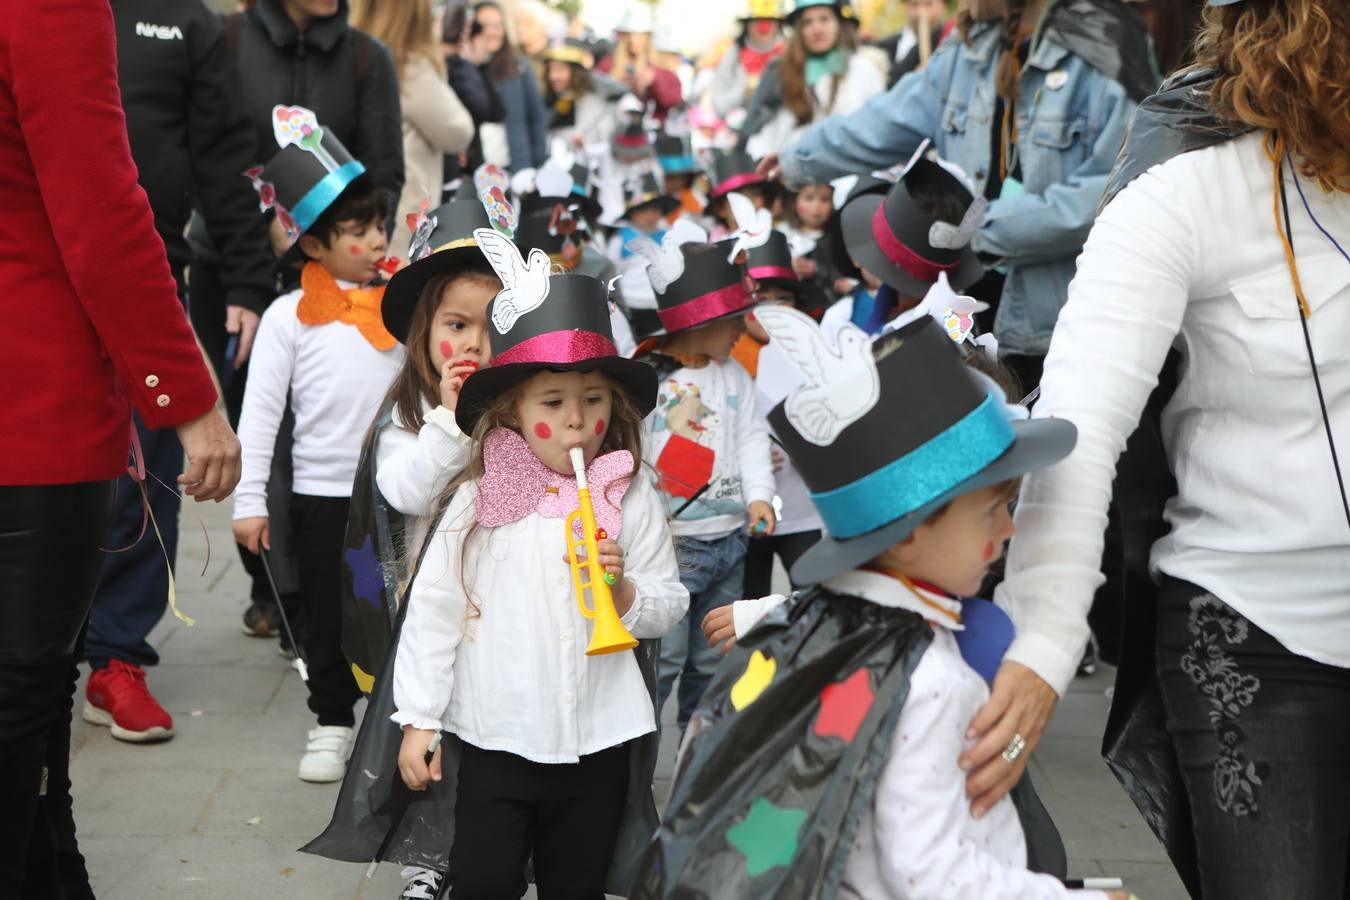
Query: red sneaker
point(117, 696)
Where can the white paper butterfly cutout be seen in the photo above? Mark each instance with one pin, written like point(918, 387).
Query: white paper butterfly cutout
point(524, 287)
point(841, 381)
point(665, 262)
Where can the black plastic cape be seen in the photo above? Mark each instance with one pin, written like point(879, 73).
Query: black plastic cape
point(1176, 120)
point(762, 804)
point(377, 818)
point(1108, 36)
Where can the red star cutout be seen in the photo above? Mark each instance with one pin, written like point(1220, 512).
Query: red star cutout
point(844, 705)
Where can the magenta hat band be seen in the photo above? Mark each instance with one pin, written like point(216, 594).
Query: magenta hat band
point(557, 348)
point(759, 273)
point(736, 182)
point(897, 252)
point(733, 298)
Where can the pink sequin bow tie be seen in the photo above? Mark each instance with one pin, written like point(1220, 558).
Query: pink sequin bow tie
point(515, 483)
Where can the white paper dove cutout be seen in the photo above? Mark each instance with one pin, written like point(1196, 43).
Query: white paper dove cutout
point(841, 382)
point(524, 287)
point(665, 262)
point(954, 312)
point(553, 180)
point(753, 226)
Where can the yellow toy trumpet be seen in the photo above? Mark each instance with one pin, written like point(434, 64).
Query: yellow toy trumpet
point(609, 636)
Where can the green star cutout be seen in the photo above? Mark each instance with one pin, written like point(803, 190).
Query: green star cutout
point(767, 837)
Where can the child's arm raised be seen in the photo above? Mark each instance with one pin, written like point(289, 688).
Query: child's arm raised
point(269, 378)
point(411, 470)
point(649, 563)
point(432, 630)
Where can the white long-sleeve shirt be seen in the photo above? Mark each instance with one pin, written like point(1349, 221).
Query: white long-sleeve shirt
point(918, 840)
point(775, 379)
point(515, 677)
point(1188, 254)
point(337, 381)
point(713, 408)
point(413, 468)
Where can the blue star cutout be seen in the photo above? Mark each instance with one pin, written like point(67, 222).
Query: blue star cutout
point(367, 579)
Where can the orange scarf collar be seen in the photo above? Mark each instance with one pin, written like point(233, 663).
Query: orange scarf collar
point(323, 301)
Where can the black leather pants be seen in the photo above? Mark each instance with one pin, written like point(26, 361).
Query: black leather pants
point(51, 540)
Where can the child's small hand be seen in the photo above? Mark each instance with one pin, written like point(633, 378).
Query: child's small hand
point(412, 758)
point(762, 512)
point(611, 557)
point(252, 532)
point(805, 268)
point(777, 458)
point(720, 629)
point(844, 286)
point(453, 374)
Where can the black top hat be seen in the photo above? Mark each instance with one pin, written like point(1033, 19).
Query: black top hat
point(674, 155)
point(442, 241)
point(771, 262)
point(907, 248)
point(641, 190)
point(733, 170)
point(556, 229)
point(538, 323)
point(709, 288)
point(861, 186)
point(885, 434)
point(630, 142)
point(554, 184)
point(309, 172)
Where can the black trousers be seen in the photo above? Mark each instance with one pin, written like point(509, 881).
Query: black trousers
point(50, 540)
point(508, 808)
point(759, 558)
point(320, 524)
point(1263, 739)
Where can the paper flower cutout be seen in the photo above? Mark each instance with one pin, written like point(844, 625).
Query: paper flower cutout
point(759, 672)
point(367, 580)
point(299, 126)
point(844, 705)
point(767, 836)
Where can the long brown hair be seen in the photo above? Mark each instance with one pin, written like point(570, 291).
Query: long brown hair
point(625, 433)
point(1009, 67)
point(1284, 67)
point(418, 381)
point(504, 64)
point(405, 27)
point(797, 94)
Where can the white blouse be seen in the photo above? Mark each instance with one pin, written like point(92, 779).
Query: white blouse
point(413, 468)
point(1188, 255)
point(514, 676)
point(918, 840)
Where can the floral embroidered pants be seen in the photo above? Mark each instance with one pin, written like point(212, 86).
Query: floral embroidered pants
point(1263, 738)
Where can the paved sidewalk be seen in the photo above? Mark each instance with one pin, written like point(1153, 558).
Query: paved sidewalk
point(218, 811)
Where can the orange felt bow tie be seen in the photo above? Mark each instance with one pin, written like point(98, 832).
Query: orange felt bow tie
point(322, 301)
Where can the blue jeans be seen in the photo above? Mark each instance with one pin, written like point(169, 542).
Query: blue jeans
point(713, 571)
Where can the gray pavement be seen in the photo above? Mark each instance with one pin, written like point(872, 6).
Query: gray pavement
point(218, 811)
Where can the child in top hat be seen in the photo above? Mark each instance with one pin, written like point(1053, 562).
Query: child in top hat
point(832, 731)
point(646, 204)
point(549, 748)
point(897, 237)
point(734, 170)
point(710, 451)
point(325, 344)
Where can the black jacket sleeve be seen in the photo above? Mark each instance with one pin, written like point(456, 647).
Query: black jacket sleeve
point(221, 145)
point(379, 118)
point(468, 86)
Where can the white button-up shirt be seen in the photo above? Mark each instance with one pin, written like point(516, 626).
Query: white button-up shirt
point(513, 674)
point(1189, 255)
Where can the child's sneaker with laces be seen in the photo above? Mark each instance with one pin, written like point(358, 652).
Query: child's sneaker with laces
point(421, 884)
point(326, 754)
point(117, 697)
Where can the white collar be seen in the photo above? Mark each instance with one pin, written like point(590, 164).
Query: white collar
point(885, 590)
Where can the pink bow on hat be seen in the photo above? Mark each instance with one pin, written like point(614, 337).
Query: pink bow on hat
point(515, 483)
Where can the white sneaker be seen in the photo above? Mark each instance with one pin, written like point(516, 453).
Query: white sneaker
point(326, 754)
point(421, 884)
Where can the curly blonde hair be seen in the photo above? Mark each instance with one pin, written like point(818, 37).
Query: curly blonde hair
point(1283, 68)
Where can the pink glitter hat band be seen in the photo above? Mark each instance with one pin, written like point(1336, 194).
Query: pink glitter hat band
point(759, 273)
point(901, 255)
point(736, 182)
point(557, 348)
point(733, 298)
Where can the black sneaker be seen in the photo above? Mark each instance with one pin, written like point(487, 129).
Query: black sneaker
point(262, 620)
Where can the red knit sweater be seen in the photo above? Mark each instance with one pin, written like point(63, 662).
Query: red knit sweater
point(90, 321)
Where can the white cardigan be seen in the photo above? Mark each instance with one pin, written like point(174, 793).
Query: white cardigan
point(434, 123)
point(1189, 255)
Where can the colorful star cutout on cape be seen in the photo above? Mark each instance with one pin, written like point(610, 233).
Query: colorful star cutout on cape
point(767, 837)
point(759, 672)
point(844, 705)
point(367, 580)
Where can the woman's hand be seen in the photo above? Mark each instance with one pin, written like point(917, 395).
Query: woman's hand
point(253, 532)
point(768, 167)
point(453, 374)
point(1019, 704)
point(412, 758)
point(720, 629)
point(213, 457)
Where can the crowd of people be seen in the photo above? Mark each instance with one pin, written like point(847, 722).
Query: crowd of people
point(544, 348)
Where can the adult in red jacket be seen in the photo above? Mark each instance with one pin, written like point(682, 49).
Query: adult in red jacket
point(631, 63)
point(92, 326)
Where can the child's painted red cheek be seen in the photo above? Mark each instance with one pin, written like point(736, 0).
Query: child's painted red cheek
point(600, 426)
point(354, 250)
point(542, 431)
point(989, 551)
point(446, 350)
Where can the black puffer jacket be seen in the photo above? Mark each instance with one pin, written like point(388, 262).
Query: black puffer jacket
point(346, 76)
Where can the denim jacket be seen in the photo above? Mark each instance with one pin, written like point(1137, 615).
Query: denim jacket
point(1070, 124)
